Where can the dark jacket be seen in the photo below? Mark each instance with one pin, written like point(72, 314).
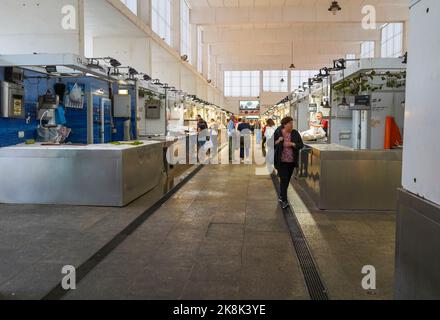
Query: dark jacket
point(296, 139)
point(243, 126)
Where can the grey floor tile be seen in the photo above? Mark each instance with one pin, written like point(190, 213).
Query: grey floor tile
point(211, 290)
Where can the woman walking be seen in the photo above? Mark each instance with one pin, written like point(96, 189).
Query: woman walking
point(288, 143)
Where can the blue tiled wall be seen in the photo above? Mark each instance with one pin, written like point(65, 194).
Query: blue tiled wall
point(9, 127)
point(76, 118)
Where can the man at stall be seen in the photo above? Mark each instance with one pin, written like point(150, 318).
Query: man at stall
point(318, 129)
point(319, 122)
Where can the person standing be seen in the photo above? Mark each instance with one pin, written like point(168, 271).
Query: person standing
point(202, 128)
point(213, 134)
point(245, 132)
point(288, 143)
point(269, 145)
point(231, 133)
point(319, 122)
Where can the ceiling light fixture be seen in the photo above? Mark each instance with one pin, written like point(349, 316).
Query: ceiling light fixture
point(334, 7)
point(114, 63)
point(132, 71)
point(292, 66)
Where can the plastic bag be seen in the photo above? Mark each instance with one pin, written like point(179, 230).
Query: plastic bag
point(75, 94)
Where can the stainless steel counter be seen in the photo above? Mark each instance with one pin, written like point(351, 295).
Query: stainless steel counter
point(340, 178)
point(98, 175)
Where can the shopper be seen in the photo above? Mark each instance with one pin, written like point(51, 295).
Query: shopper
point(288, 143)
point(245, 132)
point(202, 128)
point(269, 144)
point(252, 126)
point(213, 134)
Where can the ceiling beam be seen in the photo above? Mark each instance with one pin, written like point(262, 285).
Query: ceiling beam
point(300, 47)
point(386, 11)
point(299, 32)
point(273, 66)
point(284, 59)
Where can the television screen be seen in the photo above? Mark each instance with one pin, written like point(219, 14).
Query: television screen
point(249, 105)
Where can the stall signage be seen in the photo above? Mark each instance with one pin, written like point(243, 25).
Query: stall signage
point(313, 107)
point(362, 102)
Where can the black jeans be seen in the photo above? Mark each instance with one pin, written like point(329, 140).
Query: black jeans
point(285, 172)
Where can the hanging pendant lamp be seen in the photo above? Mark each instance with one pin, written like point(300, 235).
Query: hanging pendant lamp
point(292, 66)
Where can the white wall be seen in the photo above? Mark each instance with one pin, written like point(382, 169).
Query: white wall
point(133, 52)
point(29, 26)
point(422, 149)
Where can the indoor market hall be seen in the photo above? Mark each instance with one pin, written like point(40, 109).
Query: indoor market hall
point(219, 150)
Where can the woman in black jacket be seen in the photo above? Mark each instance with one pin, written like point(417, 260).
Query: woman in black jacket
point(288, 143)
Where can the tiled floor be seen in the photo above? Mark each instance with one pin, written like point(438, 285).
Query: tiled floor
point(36, 241)
point(343, 243)
point(222, 236)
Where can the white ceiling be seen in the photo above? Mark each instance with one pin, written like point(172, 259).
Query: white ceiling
point(284, 3)
point(260, 33)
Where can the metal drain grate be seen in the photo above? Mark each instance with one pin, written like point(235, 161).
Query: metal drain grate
point(315, 286)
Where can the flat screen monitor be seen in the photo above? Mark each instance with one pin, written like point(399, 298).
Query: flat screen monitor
point(249, 105)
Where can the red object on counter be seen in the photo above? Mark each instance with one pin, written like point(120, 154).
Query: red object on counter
point(393, 137)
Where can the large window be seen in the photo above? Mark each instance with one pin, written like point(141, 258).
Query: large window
point(242, 83)
point(367, 49)
point(392, 40)
point(185, 31)
point(349, 57)
point(131, 4)
point(161, 19)
point(301, 76)
point(275, 81)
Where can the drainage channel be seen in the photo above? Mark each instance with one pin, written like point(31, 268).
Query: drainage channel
point(58, 292)
point(314, 283)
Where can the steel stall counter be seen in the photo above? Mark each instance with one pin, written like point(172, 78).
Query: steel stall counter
point(341, 178)
point(95, 175)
